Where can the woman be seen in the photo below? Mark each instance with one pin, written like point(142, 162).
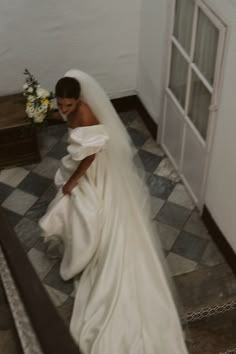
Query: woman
point(123, 304)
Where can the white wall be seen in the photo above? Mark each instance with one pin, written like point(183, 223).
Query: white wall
point(51, 36)
point(221, 186)
point(152, 54)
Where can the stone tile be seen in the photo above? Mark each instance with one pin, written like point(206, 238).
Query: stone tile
point(50, 193)
point(151, 146)
point(212, 256)
point(57, 130)
point(156, 205)
point(137, 137)
point(196, 226)
point(47, 167)
point(180, 196)
point(65, 310)
point(46, 143)
point(12, 218)
point(173, 215)
point(35, 184)
point(13, 176)
point(167, 235)
point(139, 125)
point(149, 160)
point(19, 201)
point(128, 117)
point(58, 298)
point(167, 170)
point(5, 191)
point(28, 233)
point(180, 265)
point(189, 246)
point(37, 210)
point(54, 280)
point(160, 187)
point(59, 151)
point(65, 138)
point(40, 262)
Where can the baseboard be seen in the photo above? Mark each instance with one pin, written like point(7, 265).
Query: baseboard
point(219, 239)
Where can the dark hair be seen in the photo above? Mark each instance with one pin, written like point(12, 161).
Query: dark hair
point(68, 87)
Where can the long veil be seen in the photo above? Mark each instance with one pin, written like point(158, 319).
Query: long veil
point(127, 180)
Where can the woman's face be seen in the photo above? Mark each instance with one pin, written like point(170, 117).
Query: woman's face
point(67, 105)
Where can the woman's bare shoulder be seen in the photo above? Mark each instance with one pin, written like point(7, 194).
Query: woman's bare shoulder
point(87, 116)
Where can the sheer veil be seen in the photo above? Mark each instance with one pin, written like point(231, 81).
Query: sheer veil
point(127, 181)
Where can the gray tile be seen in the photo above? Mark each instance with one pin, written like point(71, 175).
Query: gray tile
point(180, 196)
point(189, 246)
point(151, 146)
point(160, 187)
point(46, 143)
point(65, 310)
point(156, 205)
point(37, 210)
point(47, 167)
point(139, 125)
point(167, 170)
point(50, 193)
point(5, 191)
point(180, 265)
point(196, 226)
point(54, 280)
point(173, 215)
point(149, 160)
point(212, 256)
point(11, 217)
point(19, 201)
point(13, 176)
point(167, 235)
point(35, 184)
point(28, 233)
point(137, 137)
point(40, 262)
point(57, 130)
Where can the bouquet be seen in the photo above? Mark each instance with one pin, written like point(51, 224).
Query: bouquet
point(38, 100)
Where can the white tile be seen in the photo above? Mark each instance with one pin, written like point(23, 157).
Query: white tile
point(19, 202)
point(13, 176)
point(40, 262)
point(57, 297)
point(151, 146)
point(140, 126)
point(180, 265)
point(180, 196)
point(166, 169)
point(167, 235)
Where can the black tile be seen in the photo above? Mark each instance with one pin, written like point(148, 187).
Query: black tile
point(150, 161)
point(189, 246)
point(34, 184)
point(137, 137)
point(12, 218)
point(59, 150)
point(173, 214)
point(5, 191)
point(37, 210)
point(54, 280)
point(28, 232)
point(160, 187)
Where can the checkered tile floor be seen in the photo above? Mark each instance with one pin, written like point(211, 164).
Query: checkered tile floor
point(26, 191)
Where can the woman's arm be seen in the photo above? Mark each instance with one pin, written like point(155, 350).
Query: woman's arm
point(72, 182)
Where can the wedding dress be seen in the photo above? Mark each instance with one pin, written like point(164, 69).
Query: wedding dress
point(123, 303)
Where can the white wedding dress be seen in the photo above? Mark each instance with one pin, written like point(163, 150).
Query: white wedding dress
point(123, 304)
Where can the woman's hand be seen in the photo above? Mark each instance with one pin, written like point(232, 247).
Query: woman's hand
point(67, 188)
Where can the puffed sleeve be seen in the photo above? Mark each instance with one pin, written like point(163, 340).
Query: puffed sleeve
point(86, 141)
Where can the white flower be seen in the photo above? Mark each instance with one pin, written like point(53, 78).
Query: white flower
point(25, 86)
point(41, 92)
point(30, 89)
point(31, 98)
point(39, 117)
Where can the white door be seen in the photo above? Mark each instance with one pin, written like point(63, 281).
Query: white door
point(192, 92)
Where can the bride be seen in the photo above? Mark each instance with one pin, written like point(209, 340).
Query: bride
point(123, 303)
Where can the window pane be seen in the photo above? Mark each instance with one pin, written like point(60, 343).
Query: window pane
point(200, 100)
point(206, 46)
point(178, 75)
point(184, 10)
